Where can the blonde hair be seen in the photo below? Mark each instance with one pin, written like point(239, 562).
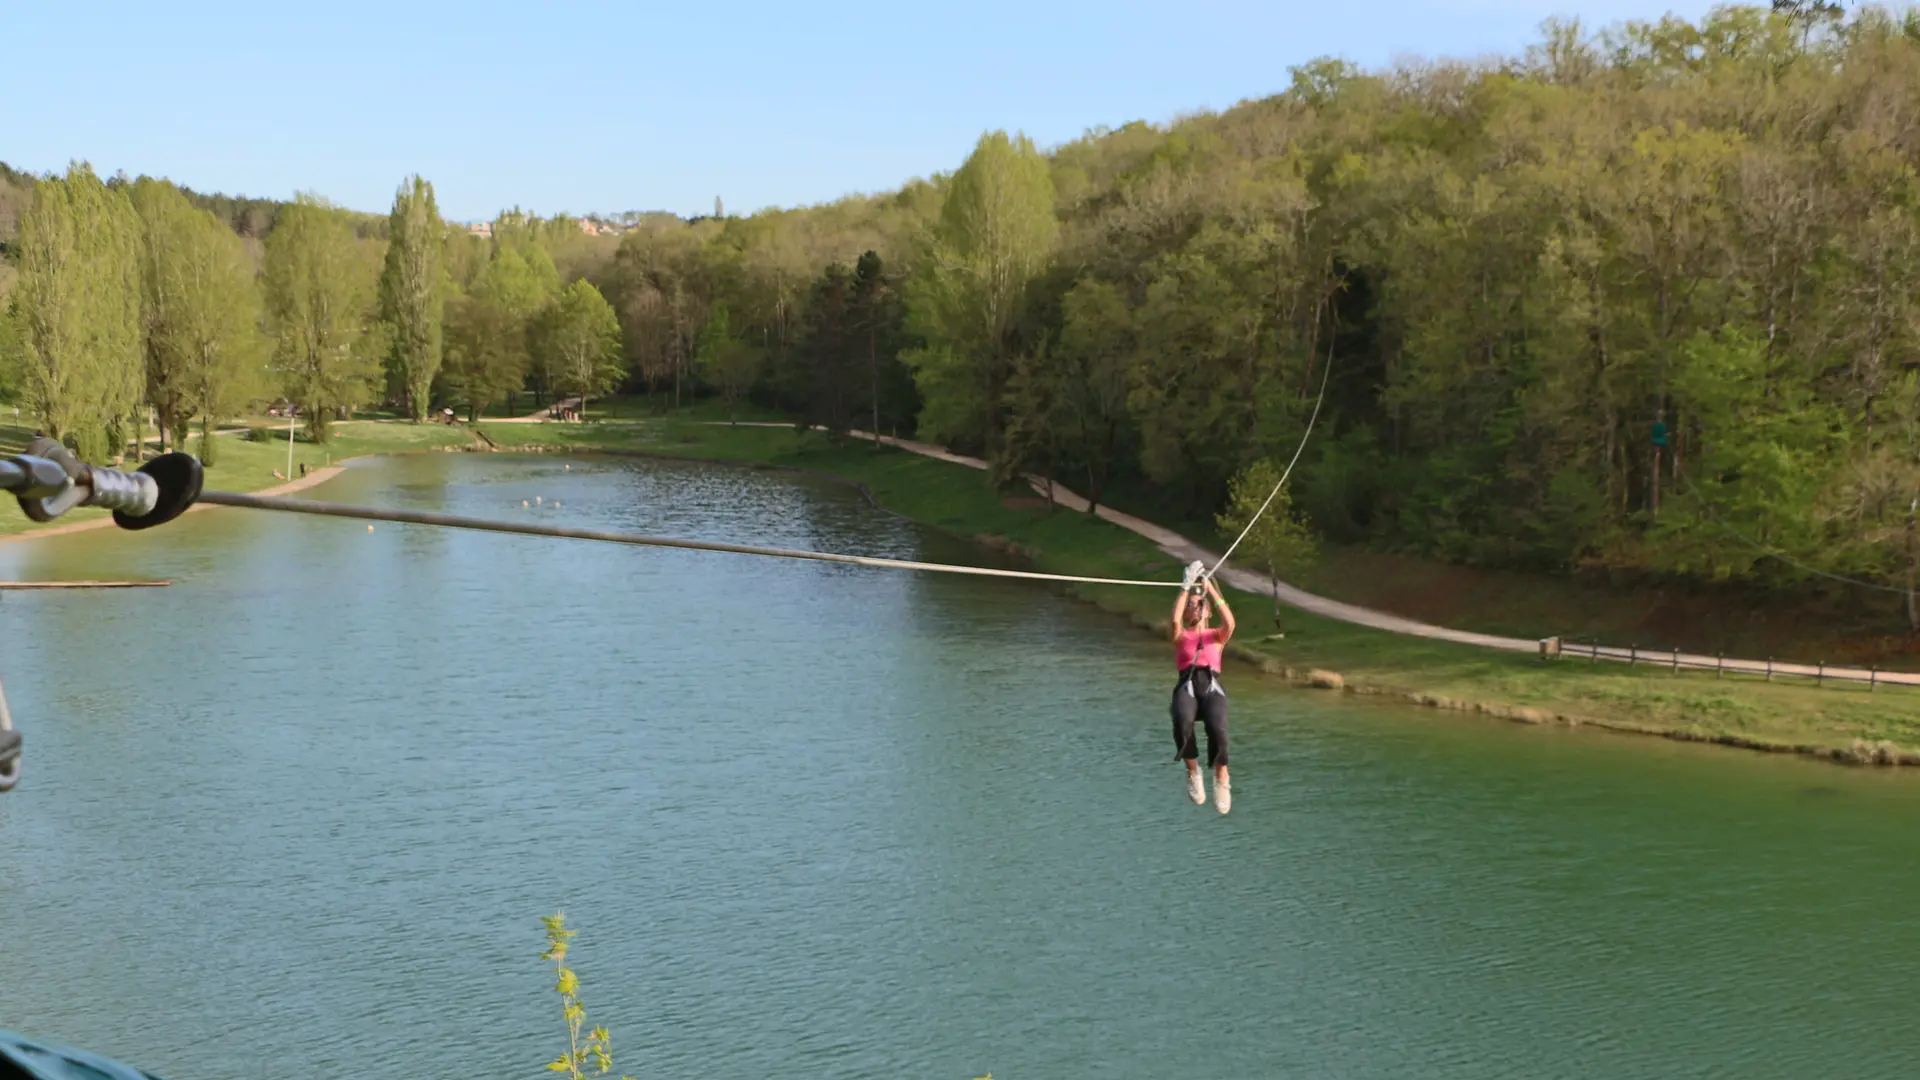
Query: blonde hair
point(1200, 604)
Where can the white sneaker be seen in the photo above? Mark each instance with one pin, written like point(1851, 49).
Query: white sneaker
point(1196, 787)
point(1223, 795)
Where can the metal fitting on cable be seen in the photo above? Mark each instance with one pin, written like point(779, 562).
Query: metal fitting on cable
point(129, 493)
point(49, 481)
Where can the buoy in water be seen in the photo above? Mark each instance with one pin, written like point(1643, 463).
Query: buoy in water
point(536, 498)
point(369, 528)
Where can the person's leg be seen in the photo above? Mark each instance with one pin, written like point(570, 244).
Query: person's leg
point(1185, 707)
point(1213, 713)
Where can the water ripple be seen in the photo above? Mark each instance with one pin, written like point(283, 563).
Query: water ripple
point(816, 820)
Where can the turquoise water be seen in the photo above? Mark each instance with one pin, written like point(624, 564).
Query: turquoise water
point(299, 815)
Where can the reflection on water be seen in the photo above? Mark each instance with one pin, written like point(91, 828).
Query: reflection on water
point(300, 813)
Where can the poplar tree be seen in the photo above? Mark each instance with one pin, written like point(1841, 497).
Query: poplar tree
point(200, 314)
point(413, 292)
point(78, 309)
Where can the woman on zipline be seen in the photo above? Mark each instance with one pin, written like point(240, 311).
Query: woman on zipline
point(1196, 652)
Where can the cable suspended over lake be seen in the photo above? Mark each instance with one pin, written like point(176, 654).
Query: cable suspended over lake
point(456, 521)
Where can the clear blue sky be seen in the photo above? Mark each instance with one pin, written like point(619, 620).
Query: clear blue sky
point(605, 107)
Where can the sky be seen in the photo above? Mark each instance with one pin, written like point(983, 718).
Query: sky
point(604, 107)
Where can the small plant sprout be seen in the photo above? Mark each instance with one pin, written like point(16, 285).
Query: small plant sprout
point(588, 1055)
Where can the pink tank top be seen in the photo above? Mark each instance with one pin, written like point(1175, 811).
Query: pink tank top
point(1201, 647)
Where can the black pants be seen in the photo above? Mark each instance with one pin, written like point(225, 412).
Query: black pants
point(1200, 696)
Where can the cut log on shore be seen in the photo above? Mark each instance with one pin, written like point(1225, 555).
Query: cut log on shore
point(82, 584)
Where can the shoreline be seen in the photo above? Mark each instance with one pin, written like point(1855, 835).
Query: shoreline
point(314, 478)
point(1859, 752)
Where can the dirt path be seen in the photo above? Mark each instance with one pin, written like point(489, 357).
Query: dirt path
point(536, 418)
point(1186, 551)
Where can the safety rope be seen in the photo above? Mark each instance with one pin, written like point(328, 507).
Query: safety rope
point(456, 521)
point(1308, 434)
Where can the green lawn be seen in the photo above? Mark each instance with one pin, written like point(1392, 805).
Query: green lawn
point(959, 500)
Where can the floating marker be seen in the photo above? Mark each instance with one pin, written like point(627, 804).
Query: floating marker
point(524, 502)
point(536, 498)
point(369, 528)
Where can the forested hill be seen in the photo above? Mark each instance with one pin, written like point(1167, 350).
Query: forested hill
point(1646, 298)
point(249, 217)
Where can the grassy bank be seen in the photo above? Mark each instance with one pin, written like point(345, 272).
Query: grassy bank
point(241, 464)
point(1845, 721)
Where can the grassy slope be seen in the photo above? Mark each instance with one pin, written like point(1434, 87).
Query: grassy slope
point(958, 500)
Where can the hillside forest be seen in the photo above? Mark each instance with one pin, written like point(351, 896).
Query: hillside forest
point(1643, 299)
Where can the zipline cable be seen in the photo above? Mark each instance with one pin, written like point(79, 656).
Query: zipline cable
point(1275, 493)
point(456, 521)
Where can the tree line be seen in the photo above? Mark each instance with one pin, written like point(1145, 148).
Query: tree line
point(1644, 299)
point(124, 297)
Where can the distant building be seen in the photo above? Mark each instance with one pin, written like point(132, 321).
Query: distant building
point(482, 228)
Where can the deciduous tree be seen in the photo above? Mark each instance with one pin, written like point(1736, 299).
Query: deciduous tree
point(322, 295)
point(413, 290)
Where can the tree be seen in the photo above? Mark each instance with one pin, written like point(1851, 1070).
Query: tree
point(729, 365)
point(877, 318)
point(1035, 428)
point(322, 294)
point(486, 356)
point(413, 293)
point(12, 355)
point(995, 233)
point(821, 376)
point(1277, 540)
point(78, 309)
point(518, 283)
point(200, 314)
point(1097, 351)
point(578, 338)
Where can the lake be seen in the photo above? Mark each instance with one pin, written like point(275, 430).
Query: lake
point(299, 815)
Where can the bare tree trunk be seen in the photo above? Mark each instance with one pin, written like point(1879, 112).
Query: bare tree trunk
point(873, 375)
point(1913, 608)
point(1660, 418)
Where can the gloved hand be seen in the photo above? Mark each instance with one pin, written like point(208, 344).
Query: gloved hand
point(1195, 569)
